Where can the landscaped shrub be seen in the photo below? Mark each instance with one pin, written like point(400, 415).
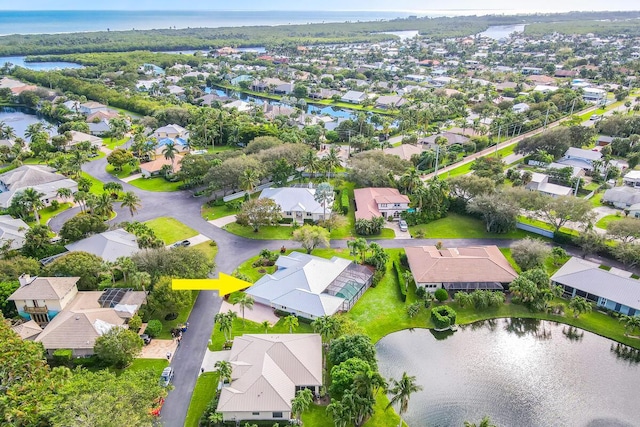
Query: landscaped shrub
point(377, 276)
point(62, 356)
point(154, 328)
point(135, 323)
point(404, 261)
point(443, 317)
point(402, 287)
point(441, 294)
point(344, 201)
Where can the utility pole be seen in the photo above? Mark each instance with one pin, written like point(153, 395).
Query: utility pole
point(546, 118)
point(575, 192)
point(573, 104)
point(498, 142)
point(435, 173)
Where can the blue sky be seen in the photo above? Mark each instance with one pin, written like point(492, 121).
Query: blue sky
point(539, 5)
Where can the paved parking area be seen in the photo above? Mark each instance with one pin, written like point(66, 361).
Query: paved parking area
point(158, 349)
point(259, 314)
point(396, 229)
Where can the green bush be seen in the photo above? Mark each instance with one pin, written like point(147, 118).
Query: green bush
point(443, 317)
point(344, 201)
point(441, 294)
point(62, 356)
point(401, 283)
point(154, 328)
point(135, 323)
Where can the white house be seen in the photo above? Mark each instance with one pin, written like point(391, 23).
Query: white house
point(545, 88)
point(593, 94)
point(171, 131)
point(297, 203)
point(109, 245)
point(41, 178)
point(312, 287)
point(540, 183)
point(78, 137)
point(632, 179)
point(91, 107)
point(376, 202)
point(580, 157)
point(520, 108)
point(12, 231)
point(622, 197)
point(266, 373)
point(353, 97)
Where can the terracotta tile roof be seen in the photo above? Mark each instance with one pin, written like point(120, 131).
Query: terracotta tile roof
point(367, 200)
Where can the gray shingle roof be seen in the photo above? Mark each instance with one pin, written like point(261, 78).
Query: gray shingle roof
point(109, 245)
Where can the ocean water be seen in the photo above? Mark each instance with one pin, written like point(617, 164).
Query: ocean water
point(44, 22)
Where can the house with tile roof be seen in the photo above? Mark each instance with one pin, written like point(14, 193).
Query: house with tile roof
point(375, 202)
point(267, 371)
point(404, 151)
point(460, 269)
point(613, 289)
point(312, 287)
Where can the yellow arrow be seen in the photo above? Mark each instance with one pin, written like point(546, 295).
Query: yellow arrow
point(225, 284)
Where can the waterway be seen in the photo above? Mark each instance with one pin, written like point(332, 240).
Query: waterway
point(519, 372)
point(498, 32)
point(19, 118)
point(37, 66)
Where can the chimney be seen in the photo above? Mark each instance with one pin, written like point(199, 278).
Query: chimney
point(25, 279)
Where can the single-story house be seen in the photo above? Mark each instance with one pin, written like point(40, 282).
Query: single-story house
point(521, 107)
point(155, 167)
point(71, 319)
point(622, 197)
point(41, 178)
point(614, 289)
point(353, 97)
point(109, 245)
point(604, 140)
point(102, 115)
point(545, 88)
point(100, 128)
point(405, 151)
point(632, 179)
point(460, 269)
point(452, 138)
point(634, 211)
point(390, 101)
point(171, 132)
point(267, 372)
point(12, 230)
point(580, 157)
point(298, 203)
point(238, 104)
point(312, 287)
point(78, 137)
point(576, 171)
point(376, 202)
point(540, 183)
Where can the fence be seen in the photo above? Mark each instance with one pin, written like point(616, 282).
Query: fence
point(533, 229)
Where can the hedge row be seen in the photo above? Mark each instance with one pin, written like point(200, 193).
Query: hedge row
point(401, 284)
point(443, 316)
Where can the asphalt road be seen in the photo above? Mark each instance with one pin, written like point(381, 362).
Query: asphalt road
point(233, 250)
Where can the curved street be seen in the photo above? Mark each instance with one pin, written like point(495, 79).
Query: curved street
point(232, 251)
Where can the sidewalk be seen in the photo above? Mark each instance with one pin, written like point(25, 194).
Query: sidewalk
point(221, 222)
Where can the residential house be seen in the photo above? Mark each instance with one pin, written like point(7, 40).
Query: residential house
point(102, 115)
point(379, 202)
point(41, 178)
point(319, 93)
point(100, 128)
point(16, 86)
point(298, 203)
point(604, 140)
point(267, 372)
point(634, 211)
point(171, 131)
point(353, 97)
point(622, 197)
point(109, 245)
point(580, 157)
point(632, 179)
point(159, 164)
point(545, 88)
point(531, 71)
point(460, 269)
point(613, 289)
point(540, 183)
point(520, 108)
point(242, 78)
point(78, 137)
point(405, 151)
point(91, 107)
point(12, 231)
point(592, 94)
point(451, 138)
point(390, 101)
point(311, 287)
point(241, 106)
point(266, 85)
point(71, 319)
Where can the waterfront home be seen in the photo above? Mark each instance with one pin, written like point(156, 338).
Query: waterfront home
point(311, 287)
point(353, 97)
point(460, 269)
point(613, 289)
point(379, 202)
point(266, 373)
point(91, 107)
point(41, 178)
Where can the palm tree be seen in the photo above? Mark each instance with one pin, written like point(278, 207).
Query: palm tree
point(340, 413)
point(32, 199)
point(103, 205)
point(332, 160)
point(266, 326)
point(249, 180)
point(6, 131)
point(225, 324)
point(323, 195)
point(579, 305)
point(169, 151)
point(327, 326)
point(300, 403)
point(291, 322)
point(631, 323)
point(131, 201)
point(402, 391)
point(244, 301)
point(64, 193)
point(311, 163)
point(486, 422)
point(224, 370)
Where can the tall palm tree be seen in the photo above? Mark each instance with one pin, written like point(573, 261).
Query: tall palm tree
point(332, 160)
point(64, 193)
point(631, 323)
point(291, 322)
point(311, 163)
point(300, 403)
point(266, 326)
point(244, 301)
point(340, 413)
point(402, 391)
point(224, 370)
point(169, 151)
point(324, 194)
point(326, 326)
point(6, 131)
point(131, 201)
point(103, 205)
point(249, 180)
point(32, 199)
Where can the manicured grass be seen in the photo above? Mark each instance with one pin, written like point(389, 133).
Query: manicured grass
point(596, 200)
point(456, 226)
point(170, 230)
point(546, 226)
point(125, 171)
point(157, 365)
point(217, 337)
point(96, 184)
point(47, 213)
point(221, 148)
point(156, 184)
point(317, 415)
point(203, 392)
point(112, 144)
point(183, 315)
point(604, 221)
point(348, 230)
point(272, 232)
point(215, 212)
point(208, 250)
point(254, 273)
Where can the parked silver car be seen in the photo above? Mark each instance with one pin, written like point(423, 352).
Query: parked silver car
point(403, 225)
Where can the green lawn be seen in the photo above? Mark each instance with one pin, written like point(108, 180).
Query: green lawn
point(596, 200)
point(254, 273)
point(112, 144)
point(170, 230)
point(203, 392)
point(183, 315)
point(157, 365)
point(221, 148)
point(214, 212)
point(604, 221)
point(271, 232)
point(96, 184)
point(207, 249)
point(126, 171)
point(47, 213)
point(456, 226)
point(217, 337)
point(156, 184)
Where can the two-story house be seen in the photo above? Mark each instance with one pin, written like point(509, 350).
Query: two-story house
point(580, 157)
point(632, 179)
point(298, 203)
point(42, 298)
point(375, 202)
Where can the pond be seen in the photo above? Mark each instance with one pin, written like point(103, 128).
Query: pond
point(498, 32)
point(519, 372)
point(37, 66)
point(19, 118)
